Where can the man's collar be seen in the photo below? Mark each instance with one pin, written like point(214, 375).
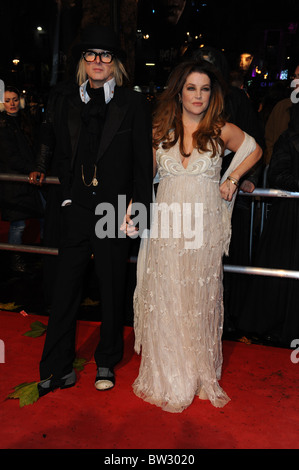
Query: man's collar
point(108, 90)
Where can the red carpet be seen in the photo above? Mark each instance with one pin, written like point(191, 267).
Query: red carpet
point(261, 381)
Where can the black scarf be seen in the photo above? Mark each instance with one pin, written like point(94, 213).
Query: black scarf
point(93, 116)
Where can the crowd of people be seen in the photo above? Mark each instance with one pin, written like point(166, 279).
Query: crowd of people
point(204, 141)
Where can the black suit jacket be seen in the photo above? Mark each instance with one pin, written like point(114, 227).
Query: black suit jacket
point(124, 160)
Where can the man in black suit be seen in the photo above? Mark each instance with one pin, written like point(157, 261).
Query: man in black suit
point(104, 152)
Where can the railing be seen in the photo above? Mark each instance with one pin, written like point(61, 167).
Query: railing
point(259, 192)
point(25, 179)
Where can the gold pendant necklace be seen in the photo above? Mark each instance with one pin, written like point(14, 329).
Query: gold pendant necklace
point(94, 181)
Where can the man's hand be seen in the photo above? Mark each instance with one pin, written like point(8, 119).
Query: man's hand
point(36, 177)
point(247, 186)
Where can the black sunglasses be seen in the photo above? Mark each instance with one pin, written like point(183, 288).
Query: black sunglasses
point(105, 56)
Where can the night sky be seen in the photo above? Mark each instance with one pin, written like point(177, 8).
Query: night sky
point(232, 26)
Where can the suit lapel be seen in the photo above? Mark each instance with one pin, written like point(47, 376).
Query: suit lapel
point(74, 124)
point(115, 114)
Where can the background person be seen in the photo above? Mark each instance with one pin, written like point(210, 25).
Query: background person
point(19, 201)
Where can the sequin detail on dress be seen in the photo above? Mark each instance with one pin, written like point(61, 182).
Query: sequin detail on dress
point(178, 299)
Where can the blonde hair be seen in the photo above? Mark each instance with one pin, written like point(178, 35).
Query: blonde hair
point(119, 72)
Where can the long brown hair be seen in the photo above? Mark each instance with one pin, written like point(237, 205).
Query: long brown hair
point(168, 113)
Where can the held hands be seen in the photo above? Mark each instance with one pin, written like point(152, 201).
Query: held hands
point(228, 188)
point(127, 226)
point(36, 177)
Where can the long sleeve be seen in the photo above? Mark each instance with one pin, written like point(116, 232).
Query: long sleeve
point(283, 172)
point(277, 123)
point(16, 154)
point(47, 138)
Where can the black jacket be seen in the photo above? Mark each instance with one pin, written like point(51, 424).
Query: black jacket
point(283, 170)
point(18, 200)
point(124, 160)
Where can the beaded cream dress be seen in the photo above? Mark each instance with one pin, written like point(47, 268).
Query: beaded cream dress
point(178, 304)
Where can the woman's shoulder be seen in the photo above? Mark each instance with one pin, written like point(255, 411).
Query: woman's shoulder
point(3, 121)
point(233, 137)
point(230, 131)
point(229, 128)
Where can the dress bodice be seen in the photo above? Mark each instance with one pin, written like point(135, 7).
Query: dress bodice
point(169, 163)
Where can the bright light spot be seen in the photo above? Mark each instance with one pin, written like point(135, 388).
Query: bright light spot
point(284, 74)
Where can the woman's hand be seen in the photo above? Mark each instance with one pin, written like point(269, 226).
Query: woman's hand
point(227, 189)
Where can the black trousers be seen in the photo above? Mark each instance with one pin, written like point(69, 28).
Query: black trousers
point(78, 242)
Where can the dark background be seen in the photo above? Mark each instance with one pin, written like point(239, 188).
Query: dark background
point(267, 30)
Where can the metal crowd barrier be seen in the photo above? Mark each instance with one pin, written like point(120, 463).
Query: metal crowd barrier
point(25, 179)
point(261, 192)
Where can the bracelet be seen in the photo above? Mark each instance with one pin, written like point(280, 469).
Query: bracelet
point(233, 180)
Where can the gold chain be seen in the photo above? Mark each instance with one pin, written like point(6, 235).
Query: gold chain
point(94, 181)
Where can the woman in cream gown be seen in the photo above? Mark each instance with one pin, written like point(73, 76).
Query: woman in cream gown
point(178, 298)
